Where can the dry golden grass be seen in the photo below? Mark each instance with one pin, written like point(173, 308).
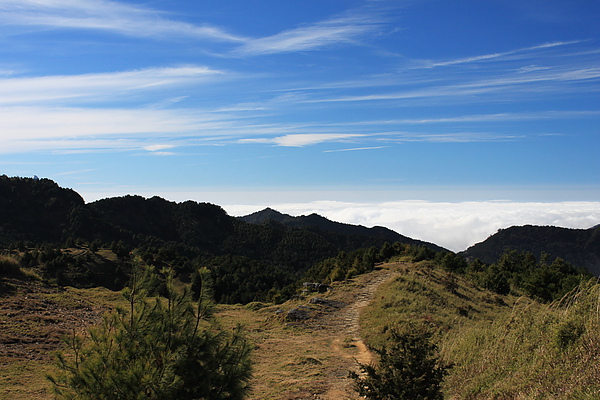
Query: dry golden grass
point(503, 347)
point(310, 359)
point(33, 318)
point(24, 379)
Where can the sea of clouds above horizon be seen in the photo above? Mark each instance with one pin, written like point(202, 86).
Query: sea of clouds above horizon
point(455, 226)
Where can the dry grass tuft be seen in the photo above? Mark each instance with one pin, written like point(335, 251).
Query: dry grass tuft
point(502, 347)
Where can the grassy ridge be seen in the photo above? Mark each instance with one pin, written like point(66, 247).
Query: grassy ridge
point(535, 351)
point(502, 347)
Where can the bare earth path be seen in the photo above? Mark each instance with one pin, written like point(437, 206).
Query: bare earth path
point(294, 358)
point(346, 340)
point(311, 358)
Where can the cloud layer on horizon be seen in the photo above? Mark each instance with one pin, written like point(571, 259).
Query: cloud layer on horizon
point(455, 226)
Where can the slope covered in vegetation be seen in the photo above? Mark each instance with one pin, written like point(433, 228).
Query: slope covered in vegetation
point(72, 243)
point(580, 247)
point(500, 346)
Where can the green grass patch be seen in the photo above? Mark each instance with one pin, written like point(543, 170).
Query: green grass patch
point(502, 347)
point(536, 351)
point(24, 379)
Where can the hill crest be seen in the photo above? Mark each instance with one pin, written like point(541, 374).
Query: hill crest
point(317, 222)
point(579, 247)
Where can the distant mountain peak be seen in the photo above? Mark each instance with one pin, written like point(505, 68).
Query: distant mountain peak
point(315, 221)
point(266, 215)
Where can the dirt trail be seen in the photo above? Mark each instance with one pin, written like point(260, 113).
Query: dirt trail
point(311, 357)
point(301, 359)
point(344, 328)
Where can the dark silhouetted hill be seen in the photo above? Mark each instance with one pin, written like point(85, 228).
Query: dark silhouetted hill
point(248, 261)
point(317, 223)
point(35, 210)
point(580, 247)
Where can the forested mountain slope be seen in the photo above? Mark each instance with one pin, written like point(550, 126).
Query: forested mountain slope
point(35, 209)
point(38, 210)
point(580, 247)
point(248, 261)
point(317, 223)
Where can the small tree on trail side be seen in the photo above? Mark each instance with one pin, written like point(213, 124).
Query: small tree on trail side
point(155, 348)
point(408, 369)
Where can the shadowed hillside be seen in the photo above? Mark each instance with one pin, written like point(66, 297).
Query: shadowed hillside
point(317, 223)
point(46, 225)
point(580, 247)
point(35, 210)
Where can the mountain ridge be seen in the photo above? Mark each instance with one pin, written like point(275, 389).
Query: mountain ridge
point(42, 222)
point(315, 221)
point(579, 247)
point(40, 211)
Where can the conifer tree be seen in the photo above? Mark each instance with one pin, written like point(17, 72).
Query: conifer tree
point(408, 369)
point(156, 348)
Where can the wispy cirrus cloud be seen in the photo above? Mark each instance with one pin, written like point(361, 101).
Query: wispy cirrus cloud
point(139, 21)
point(104, 15)
point(558, 79)
point(355, 149)
point(89, 129)
point(538, 71)
point(19, 123)
point(524, 52)
point(453, 137)
point(16, 90)
point(303, 139)
point(333, 31)
point(477, 118)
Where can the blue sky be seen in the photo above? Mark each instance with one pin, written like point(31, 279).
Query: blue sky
point(306, 104)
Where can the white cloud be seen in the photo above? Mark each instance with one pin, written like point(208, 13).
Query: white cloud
point(454, 226)
point(158, 147)
point(97, 86)
point(499, 56)
point(121, 18)
point(139, 21)
point(536, 82)
point(355, 149)
point(526, 73)
point(303, 139)
point(311, 37)
point(26, 129)
point(19, 123)
point(499, 117)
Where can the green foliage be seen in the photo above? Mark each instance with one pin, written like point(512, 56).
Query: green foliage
point(79, 266)
point(157, 348)
point(580, 247)
point(248, 261)
point(408, 369)
point(346, 265)
point(9, 267)
point(533, 351)
point(567, 333)
point(453, 262)
point(36, 210)
point(244, 280)
point(495, 279)
point(521, 271)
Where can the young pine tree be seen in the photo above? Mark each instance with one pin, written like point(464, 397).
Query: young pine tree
point(408, 369)
point(156, 348)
